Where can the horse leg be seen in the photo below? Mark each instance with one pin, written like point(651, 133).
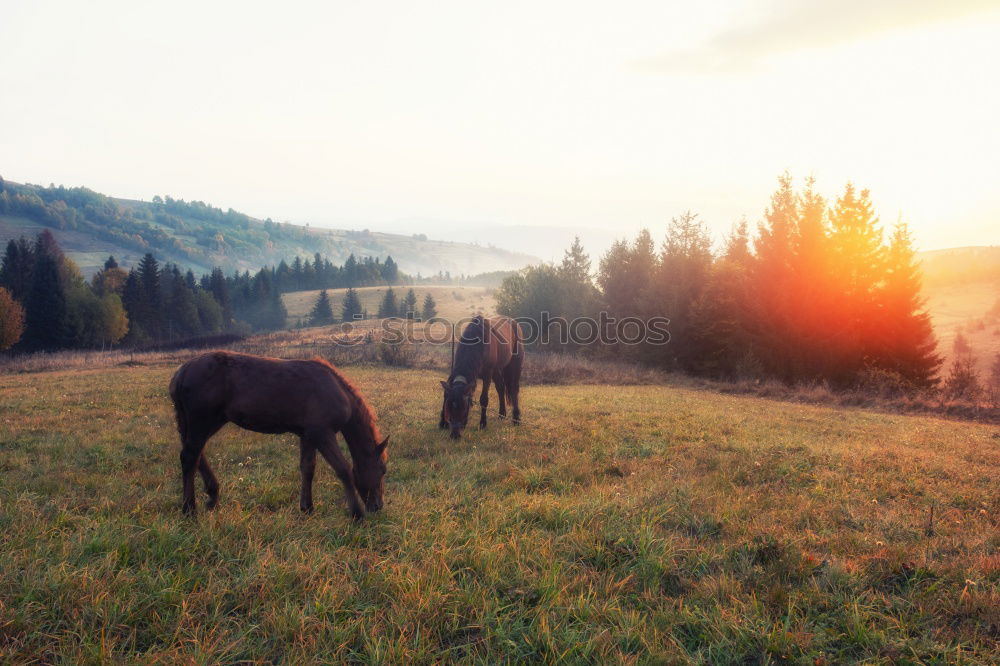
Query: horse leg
point(512, 382)
point(189, 461)
point(331, 452)
point(196, 433)
point(499, 383)
point(211, 483)
point(307, 469)
point(442, 424)
point(484, 402)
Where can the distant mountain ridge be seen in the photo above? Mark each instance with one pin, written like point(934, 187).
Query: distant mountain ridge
point(90, 226)
point(961, 265)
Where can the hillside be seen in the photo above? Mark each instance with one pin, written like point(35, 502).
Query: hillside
point(962, 290)
point(453, 302)
point(960, 265)
point(90, 226)
point(622, 524)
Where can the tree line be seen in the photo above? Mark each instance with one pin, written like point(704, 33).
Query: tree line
point(322, 313)
point(817, 292)
point(46, 304)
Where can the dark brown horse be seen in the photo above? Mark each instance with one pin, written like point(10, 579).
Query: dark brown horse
point(490, 349)
point(309, 398)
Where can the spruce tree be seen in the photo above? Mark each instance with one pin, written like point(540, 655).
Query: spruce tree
point(903, 338)
point(408, 308)
point(15, 270)
point(772, 281)
point(220, 292)
point(858, 264)
point(322, 313)
point(429, 310)
point(684, 268)
point(351, 309)
point(47, 315)
point(388, 307)
point(148, 273)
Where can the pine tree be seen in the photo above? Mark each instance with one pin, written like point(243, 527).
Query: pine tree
point(135, 305)
point(15, 271)
point(220, 292)
point(772, 281)
point(963, 382)
point(180, 312)
point(684, 267)
point(625, 273)
point(429, 310)
point(903, 338)
point(46, 312)
point(388, 307)
point(148, 273)
point(322, 313)
point(408, 308)
point(351, 309)
point(390, 271)
point(858, 263)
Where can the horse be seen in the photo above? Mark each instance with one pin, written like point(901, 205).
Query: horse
point(311, 399)
point(490, 349)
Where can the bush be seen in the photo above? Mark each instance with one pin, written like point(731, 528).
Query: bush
point(11, 320)
point(400, 356)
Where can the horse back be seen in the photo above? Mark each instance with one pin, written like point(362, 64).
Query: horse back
point(503, 342)
point(261, 394)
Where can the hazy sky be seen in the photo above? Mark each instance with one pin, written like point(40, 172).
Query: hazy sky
point(612, 115)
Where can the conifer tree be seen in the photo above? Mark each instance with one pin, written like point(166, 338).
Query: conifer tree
point(351, 308)
point(684, 267)
point(322, 313)
point(15, 269)
point(857, 258)
point(46, 313)
point(408, 308)
point(903, 339)
point(388, 306)
point(429, 310)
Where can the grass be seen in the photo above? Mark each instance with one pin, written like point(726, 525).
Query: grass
point(968, 308)
point(453, 302)
point(629, 524)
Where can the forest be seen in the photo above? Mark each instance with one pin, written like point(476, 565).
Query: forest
point(46, 304)
point(817, 292)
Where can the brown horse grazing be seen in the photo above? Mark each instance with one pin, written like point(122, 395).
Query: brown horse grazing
point(490, 349)
point(309, 398)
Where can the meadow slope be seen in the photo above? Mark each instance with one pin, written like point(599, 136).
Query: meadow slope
point(627, 524)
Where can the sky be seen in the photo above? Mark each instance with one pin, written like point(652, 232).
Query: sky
point(450, 117)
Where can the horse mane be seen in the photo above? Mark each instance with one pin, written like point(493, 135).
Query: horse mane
point(469, 356)
point(365, 413)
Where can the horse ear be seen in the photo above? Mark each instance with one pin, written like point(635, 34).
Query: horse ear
point(381, 447)
point(444, 385)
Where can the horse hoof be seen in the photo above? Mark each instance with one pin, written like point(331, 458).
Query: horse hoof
point(442, 425)
point(306, 509)
point(211, 503)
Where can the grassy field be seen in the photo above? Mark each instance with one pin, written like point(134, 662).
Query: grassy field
point(630, 524)
point(453, 303)
point(968, 308)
